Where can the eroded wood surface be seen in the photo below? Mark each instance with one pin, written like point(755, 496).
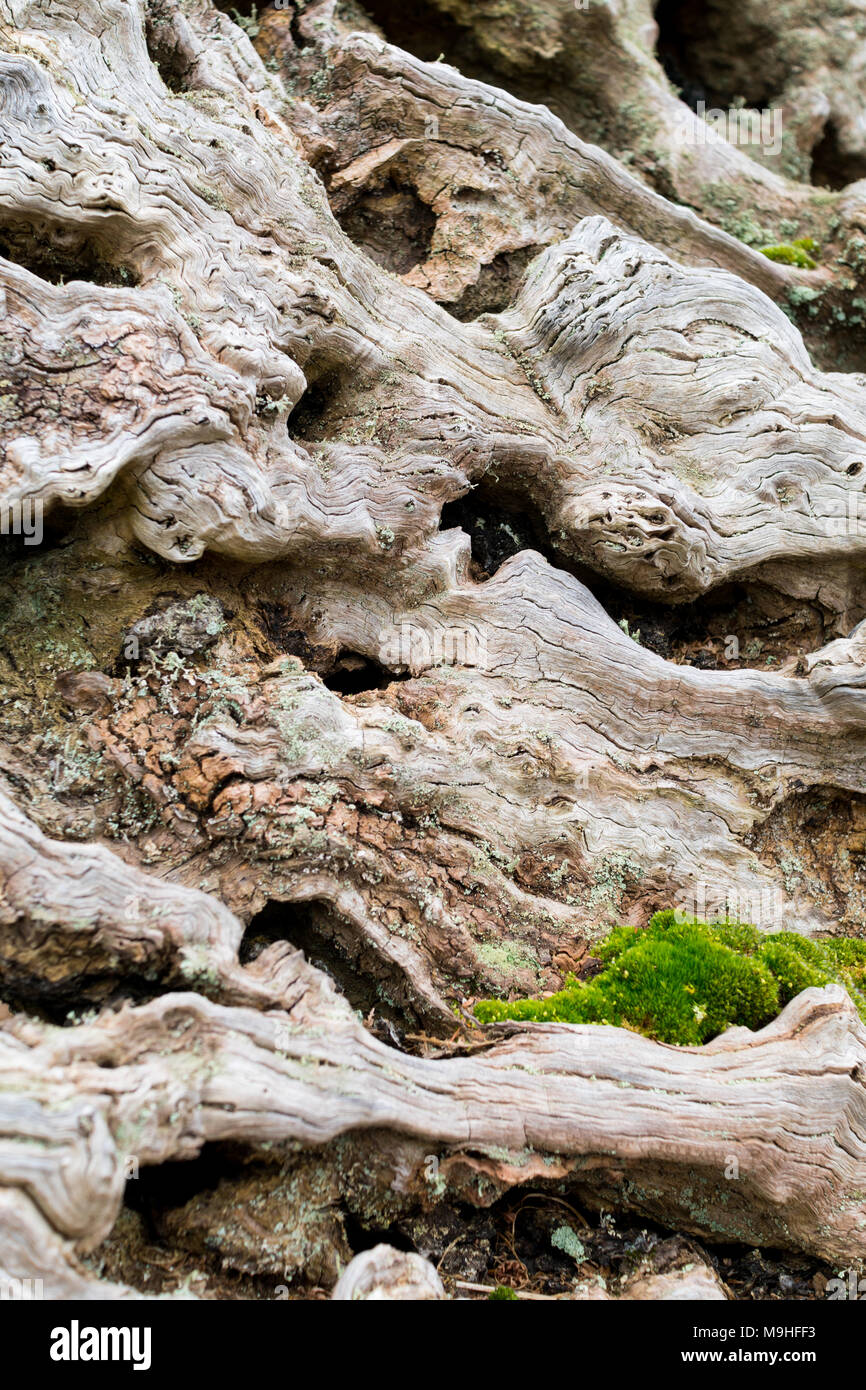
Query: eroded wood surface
point(243, 426)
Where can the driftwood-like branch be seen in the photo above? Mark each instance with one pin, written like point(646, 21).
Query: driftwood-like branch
point(756, 1136)
point(512, 805)
point(666, 421)
point(795, 154)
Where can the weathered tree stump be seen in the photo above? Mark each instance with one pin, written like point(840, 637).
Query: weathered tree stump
point(367, 410)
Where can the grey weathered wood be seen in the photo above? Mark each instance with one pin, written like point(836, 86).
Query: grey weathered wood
point(780, 1112)
point(660, 415)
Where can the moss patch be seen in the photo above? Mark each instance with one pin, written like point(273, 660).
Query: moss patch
point(801, 253)
point(685, 982)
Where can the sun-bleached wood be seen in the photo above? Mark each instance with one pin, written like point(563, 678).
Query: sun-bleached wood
point(177, 288)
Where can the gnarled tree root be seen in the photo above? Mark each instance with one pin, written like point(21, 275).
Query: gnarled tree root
point(200, 363)
point(758, 1136)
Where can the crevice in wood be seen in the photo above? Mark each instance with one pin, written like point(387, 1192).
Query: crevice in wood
point(496, 286)
point(710, 59)
point(166, 51)
point(362, 1236)
point(63, 1002)
point(736, 626)
point(326, 405)
point(227, 1224)
point(341, 669)
point(161, 1186)
point(391, 223)
point(332, 944)
point(815, 839)
point(53, 529)
point(739, 625)
point(58, 254)
point(496, 532)
point(353, 674)
point(421, 29)
point(832, 167)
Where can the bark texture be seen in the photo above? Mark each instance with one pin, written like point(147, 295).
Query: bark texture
point(371, 409)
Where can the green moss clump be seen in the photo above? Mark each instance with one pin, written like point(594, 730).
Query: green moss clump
point(502, 1291)
point(793, 968)
point(801, 253)
point(685, 982)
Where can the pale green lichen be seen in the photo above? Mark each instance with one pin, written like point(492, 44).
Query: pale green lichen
point(565, 1239)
